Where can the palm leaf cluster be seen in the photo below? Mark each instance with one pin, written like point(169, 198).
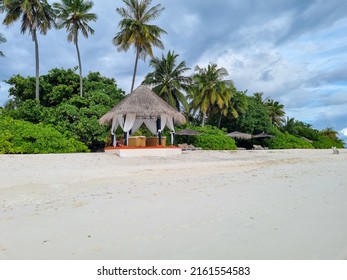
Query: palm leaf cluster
point(136, 30)
point(2, 40)
point(210, 88)
point(168, 79)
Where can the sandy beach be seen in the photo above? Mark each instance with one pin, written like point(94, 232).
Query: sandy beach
point(281, 205)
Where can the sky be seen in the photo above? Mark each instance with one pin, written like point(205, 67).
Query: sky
point(295, 52)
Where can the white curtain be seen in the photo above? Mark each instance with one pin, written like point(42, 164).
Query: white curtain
point(129, 123)
point(170, 125)
point(117, 120)
point(163, 119)
point(137, 124)
point(151, 125)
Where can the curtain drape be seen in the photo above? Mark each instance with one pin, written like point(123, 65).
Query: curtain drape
point(133, 124)
point(137, 124)
point(117, 120)
point(129, 123)
point(170, 125)
point(151, 125)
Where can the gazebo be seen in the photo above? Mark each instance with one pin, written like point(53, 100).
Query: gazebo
point(240, 135)
point(142, 106)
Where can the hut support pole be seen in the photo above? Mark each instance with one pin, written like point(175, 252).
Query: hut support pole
point(159, 130)
point(125, 138)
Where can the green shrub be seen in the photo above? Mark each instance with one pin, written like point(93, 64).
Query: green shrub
point(21, 137)
point(211, 138)
point(287, 141)
point(325, 142)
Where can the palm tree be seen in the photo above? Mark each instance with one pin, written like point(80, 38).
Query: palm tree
point(290, 125)
point(136, 32)
point(329, 132)
point(74, 15)
point(2, 40)
point(209, 88)
point(168, 79)
point(276, 111)
point(259, 97)
point(35, 15)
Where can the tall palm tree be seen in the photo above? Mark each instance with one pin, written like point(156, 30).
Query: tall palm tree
point(35, 15)
point(168, 79)
point(2, 40)
point(276, 111)
point(74, 15)
point(136, 30)
point(210, 88)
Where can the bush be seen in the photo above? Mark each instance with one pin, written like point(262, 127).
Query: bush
point(287, 141)
point(21, 137)
point(211, 138)
point(325, 142)
point(62, 107)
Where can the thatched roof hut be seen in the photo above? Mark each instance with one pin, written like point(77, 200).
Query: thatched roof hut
point(142, 106)
point(240, 135)
point(187, 132)
point(145, 104)
point(263, 135)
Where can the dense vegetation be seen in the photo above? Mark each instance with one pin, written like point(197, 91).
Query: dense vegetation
point(21, 137)
point(62, 110)
point(59, 111)
point(61, 106)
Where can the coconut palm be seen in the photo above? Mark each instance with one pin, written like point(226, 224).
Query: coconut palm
point(74, 15)
point(35, 15)
point(2, 40)
point(168, 79)
point(329, 132)
point(210, 88)
point(136, 30)
point(276, 111)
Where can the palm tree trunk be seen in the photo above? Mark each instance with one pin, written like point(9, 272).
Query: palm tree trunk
point(220, 119)
point(203, 119)
point(135, 69)
point(79, 65)
point(37, 61)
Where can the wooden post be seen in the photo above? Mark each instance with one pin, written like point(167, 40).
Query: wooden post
point(125, 139)
point(159, 130)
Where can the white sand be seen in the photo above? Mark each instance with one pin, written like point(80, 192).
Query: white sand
point(198, 205)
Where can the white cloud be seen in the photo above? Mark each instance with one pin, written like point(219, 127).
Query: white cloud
point(344, 132)
point(186, 25)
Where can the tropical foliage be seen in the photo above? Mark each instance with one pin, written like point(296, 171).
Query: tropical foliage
point(210, 88)
point(21, 137)
point(74, 15)
point(136, 30)
point(2, 40)
point(62, 106)
point(168, 79)
point(59, 111)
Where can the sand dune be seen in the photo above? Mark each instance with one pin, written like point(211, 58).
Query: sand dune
point(289, 204)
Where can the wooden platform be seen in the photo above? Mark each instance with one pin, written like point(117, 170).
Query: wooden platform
point(152, 151)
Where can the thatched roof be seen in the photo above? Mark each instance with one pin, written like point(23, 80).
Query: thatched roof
point(263, 135)
point(145, 104)
point(187, 132)
point(240, 135)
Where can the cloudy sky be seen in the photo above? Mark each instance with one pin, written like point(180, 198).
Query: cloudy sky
point(293, 51)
